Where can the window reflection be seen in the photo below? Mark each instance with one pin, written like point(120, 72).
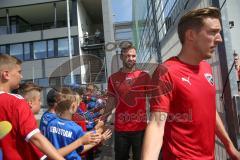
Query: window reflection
point(40, 50)
point(50, 48)
point(63, 47)
point(17, 50)
point(13, 24)
point(27, 53)
point(3, 27)
point(3, 49)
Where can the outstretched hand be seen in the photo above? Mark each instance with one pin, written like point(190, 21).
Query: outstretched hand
point(91, 137)
point(106, 135)
point(99, 124)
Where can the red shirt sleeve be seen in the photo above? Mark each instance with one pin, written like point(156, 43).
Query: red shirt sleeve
point(162, 92)
point(26, 121)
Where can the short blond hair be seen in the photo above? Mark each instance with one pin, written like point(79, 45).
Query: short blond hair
point(9, 61)
point(29, 90)
point(77, 98)
point(66, 94)
point(68, 97)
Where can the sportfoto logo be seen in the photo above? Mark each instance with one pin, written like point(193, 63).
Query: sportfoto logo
point(140, 116)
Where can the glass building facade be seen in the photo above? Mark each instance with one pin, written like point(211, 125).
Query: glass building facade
point(50, 38)
point(152, 21)
point(37, 34)
point(35, 50)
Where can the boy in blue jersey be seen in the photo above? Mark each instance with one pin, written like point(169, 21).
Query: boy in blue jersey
point(53, 97)
point(62, 131)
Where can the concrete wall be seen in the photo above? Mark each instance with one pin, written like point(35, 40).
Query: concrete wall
point(230, 10)
point(85, 20)
point(108, 32)
point(32, 69)
point(46, 67)
point(37, 35)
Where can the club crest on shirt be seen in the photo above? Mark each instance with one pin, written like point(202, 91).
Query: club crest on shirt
point(209, 78)
point(117, 83)
point(129, 81)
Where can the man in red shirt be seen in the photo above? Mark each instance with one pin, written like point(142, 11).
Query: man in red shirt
point(13, 108)
point(127, 90)
point(184, 119)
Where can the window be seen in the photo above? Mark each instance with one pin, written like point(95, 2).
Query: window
point(40, 50)
point(50, 44)
point(67, 80)
point(3, 26)
point(3, 49)
point(63, 47)
point(43, 82)
point(54, 81)
point(13, 23)
point(75, 45)
point(16, 50)
point(27, 51)
point(77, 79)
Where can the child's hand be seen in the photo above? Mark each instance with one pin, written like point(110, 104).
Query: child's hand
point(99, 124)
point(106, 135)
point(101, 111)
point(91, 137)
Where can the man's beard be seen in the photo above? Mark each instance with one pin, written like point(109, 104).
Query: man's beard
point(129, 65)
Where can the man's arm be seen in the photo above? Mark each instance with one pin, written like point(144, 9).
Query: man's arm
point(45, 146)
point(223, 136)
point(154, 136)
point(110, 105)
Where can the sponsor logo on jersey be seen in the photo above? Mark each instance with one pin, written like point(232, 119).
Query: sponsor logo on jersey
point(61, 132)
point(186, 79)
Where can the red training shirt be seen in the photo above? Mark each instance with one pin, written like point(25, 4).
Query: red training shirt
point(14, 109)
point(130, 90)
point(187, 93)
